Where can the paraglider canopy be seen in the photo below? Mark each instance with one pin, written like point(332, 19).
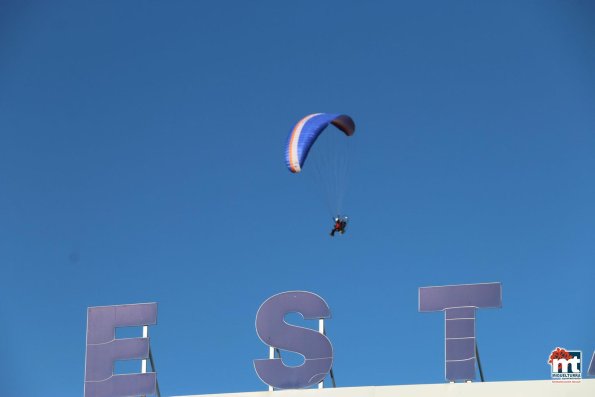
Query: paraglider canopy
point(306, 131)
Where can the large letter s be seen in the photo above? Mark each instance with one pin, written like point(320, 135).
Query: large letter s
point(275, 332)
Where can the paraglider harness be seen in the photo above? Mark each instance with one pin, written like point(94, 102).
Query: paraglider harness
point(340, 225)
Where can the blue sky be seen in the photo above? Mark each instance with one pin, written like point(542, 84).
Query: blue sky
point(141, 159)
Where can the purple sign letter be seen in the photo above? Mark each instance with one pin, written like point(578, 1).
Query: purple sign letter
point(275, 332)
point(459, 303)
point(103, 349)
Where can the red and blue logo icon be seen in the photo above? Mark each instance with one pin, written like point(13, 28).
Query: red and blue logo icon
point(565, 364)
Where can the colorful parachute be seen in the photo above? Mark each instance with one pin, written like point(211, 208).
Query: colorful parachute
point(306, 131)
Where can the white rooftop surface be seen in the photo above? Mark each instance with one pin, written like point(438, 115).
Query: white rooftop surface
point(540, 388)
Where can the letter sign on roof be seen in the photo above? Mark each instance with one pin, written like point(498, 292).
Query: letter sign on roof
point(275, 332)
point(459, 303)
point(103, 349)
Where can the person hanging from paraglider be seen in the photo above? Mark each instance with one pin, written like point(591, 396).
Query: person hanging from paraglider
point(340, 225)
